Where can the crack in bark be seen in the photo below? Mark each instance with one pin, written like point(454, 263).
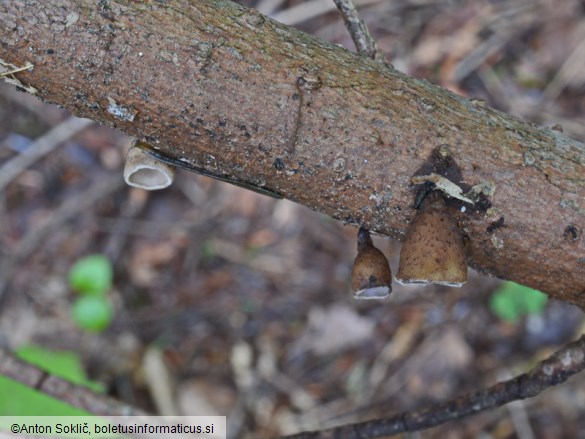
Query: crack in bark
point(297, 125)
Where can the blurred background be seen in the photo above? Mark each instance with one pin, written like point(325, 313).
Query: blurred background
point(226, 302)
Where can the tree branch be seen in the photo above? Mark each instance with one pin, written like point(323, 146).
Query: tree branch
point(235, 93)
point(554, 370)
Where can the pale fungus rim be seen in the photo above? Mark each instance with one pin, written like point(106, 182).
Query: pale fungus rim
point(145, 172)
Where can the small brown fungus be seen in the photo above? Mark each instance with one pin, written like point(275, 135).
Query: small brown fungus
point(371, 277)
point(433, 251)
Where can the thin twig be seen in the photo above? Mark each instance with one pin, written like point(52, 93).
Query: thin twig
point(554, 370)
point(75, 395)
point(16, 70)
point(7, 71)
point(309, 10)
point(359, 32)
point(41, 147)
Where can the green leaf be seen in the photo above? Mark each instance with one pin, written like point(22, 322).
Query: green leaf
point(25, 401)
point(66, 365)
point(92, 313)
point(91, 275)
point(512, 301)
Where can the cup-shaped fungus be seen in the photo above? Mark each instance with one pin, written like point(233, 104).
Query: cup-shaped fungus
point(371, 277)
point(433, 251)
point(146, 172)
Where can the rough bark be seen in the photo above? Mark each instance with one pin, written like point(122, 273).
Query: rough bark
point(236, 93)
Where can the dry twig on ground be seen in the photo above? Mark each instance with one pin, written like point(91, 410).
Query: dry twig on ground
point(53, 386)
point(556, 369)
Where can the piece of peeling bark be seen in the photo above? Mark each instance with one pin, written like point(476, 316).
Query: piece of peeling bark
point(234, 92)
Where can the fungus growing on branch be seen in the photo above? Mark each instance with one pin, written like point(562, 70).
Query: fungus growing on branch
point(145, 172)
point(433, 251)
point(371, 277)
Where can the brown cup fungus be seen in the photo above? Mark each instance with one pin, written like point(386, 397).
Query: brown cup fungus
point(371, 277)
point(433, 251)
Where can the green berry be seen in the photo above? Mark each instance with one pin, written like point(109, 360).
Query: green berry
point(92, 313)
point(91, 275)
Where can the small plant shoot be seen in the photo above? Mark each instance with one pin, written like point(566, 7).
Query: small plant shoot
point(512, 301)
point(91, 275)
point(92, 313)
